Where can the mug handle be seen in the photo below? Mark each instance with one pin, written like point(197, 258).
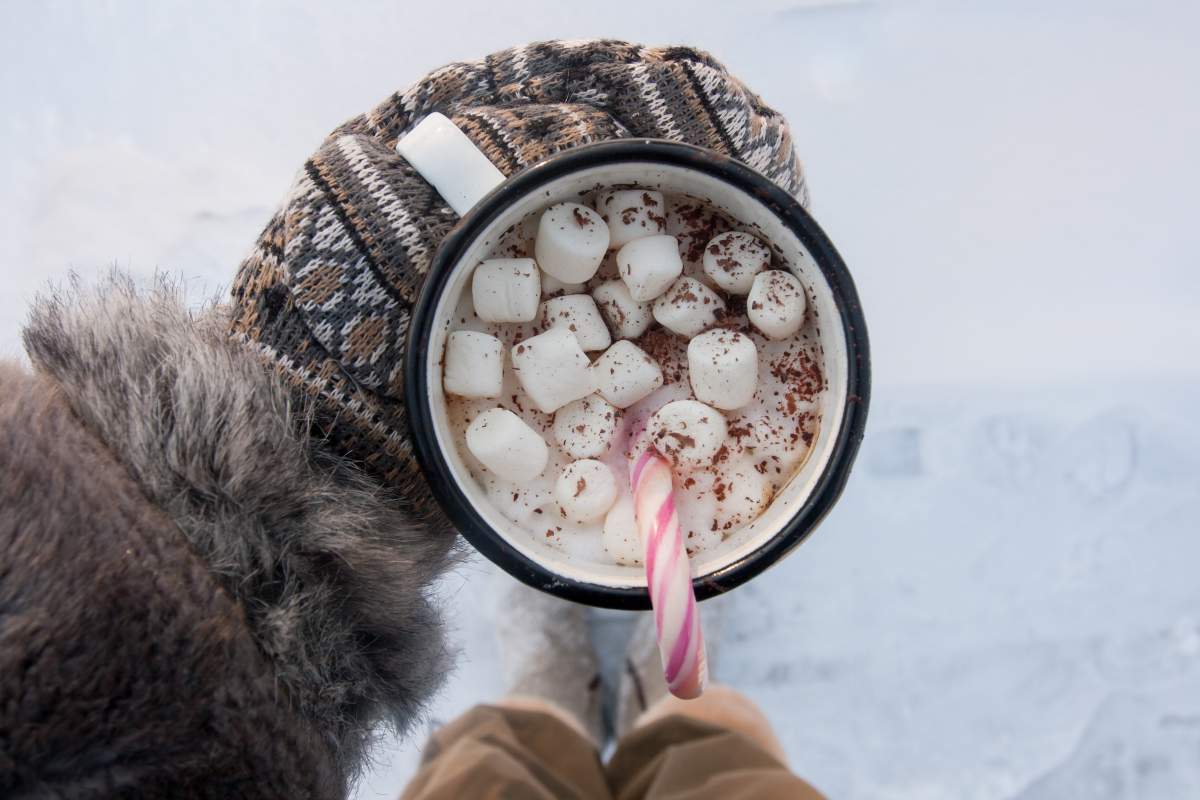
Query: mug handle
point(450, 162)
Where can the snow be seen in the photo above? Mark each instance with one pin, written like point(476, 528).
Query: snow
point(1004, 604)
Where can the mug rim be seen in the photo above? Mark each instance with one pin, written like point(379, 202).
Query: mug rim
point(437, 471)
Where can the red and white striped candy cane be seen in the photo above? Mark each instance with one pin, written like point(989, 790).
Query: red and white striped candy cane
point(669, 577)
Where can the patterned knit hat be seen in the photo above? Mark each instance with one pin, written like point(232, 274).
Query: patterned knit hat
point(326, 295)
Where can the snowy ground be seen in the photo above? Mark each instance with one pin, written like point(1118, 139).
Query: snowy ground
point(1005, 603)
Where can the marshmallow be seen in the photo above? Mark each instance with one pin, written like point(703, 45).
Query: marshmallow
point(625, 374)
point(631, 214)
point(688, 433)
point(697, 509)
point(627, 317)
point(585, 428)
point(742, 492)
point(777, 304)
point(639, 437)
point(507, 446)
point(552, 369)
point(732, 260)
point(723, 368)
point(474, 364)
point(620, 536)
point(571, 242)
point(586, 490)
point(649, 266)
point(688, 307)
point(552, 286)
point(506, 290)
point(777, 425)
point(775, 433)
point(578, 314)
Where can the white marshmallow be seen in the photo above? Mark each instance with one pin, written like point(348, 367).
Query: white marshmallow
point(639, 434)
point(586, 490)
point(631, 214)
point(507, 446)
point(585, 428)
point(723, 368)
point(571, 242)
point(649, 266)
point(775, 429)
point(688, 307)
point(742, 493)
point(474, 364)
point(625, 374)
point(696, 506)
point(578, 314)
point(552, 286)
point(506, 290)
point(627, 317)
point(552, 369)
point(620, 536)
point(777, 304)
point(688, 433)
point(733, 259)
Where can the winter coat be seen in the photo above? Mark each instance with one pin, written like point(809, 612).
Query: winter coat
point(197, 599)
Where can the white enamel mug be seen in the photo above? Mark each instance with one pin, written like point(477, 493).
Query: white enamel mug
point(489, 204)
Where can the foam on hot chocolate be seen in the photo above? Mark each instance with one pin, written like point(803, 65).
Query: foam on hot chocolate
point(685, 369)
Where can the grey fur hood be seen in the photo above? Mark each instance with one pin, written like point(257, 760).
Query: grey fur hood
point(328, 567)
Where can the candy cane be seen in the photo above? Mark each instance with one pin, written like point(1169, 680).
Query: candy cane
point(669, 577)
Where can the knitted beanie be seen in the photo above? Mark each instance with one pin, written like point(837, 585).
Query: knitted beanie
point(325, 297)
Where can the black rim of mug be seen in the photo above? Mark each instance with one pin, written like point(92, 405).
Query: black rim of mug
point(418, 399)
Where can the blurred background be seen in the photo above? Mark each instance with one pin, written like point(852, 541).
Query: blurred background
point(1006, 602)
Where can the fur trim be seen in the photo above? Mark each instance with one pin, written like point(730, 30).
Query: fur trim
point(125, 669)
point(330, 568)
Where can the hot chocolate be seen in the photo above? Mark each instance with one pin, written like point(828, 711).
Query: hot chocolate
point(592, 331)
